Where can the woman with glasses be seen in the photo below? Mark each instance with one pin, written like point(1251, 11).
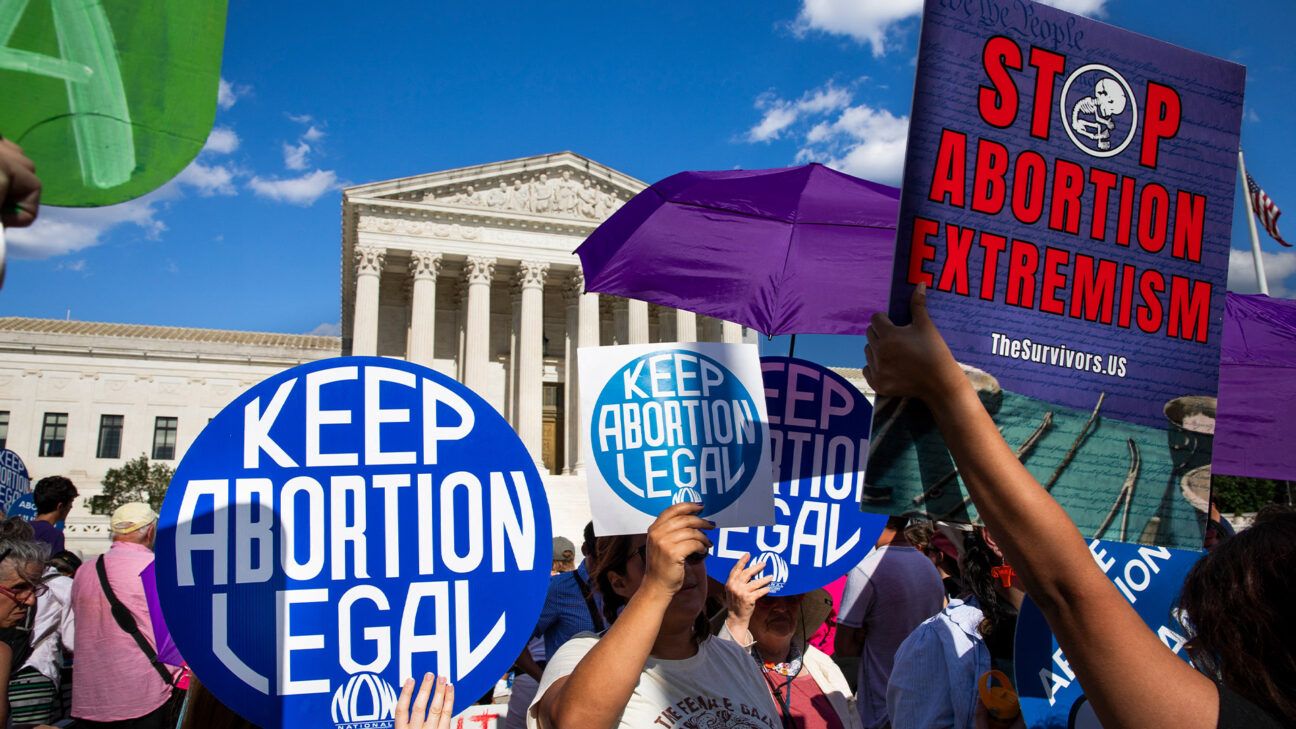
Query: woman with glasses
point(657, 665)
point(1238, 598)
point(21, 564)
point(809, 690)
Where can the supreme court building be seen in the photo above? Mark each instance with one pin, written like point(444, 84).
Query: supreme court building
point(470, 271)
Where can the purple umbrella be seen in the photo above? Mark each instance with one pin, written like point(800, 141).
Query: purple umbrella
point(1257, 389)
point(784, 251)
point(166, 647)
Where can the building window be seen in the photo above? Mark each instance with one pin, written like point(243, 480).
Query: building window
point(53, 435)
point(164, 439)
point(4, 428)
point(110, 433)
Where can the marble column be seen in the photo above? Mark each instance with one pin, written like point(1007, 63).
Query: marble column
point(515, 306)
point(685, 326)
point(637, 325)
point(478, 271)
point(425, 266)
point(731, 333)
point(369, 262)
point(587, 335)
point(530, 408)
point(461, 325)
point(572, 289)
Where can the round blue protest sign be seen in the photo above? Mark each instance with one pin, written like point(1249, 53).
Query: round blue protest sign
point(675, 426)
point(819, 430)
point(1150, 578)
point(345, 525)
point(15, 484)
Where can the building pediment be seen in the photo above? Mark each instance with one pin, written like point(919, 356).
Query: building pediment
point(564, 186)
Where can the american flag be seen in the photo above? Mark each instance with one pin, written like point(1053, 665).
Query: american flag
point(1265, 209)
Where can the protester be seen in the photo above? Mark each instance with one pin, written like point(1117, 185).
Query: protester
point(527, 672)
point(35, 691)
point(20, 188)
point(116, 678)
point(658, 658)
point(809, 690)
point(21, 562)
point(564, 556)
point(1237, 598)
point(571, 605)
point(934, 679)
point(887, 595)
point(54, 496)
point(928, 539)
point(430, 710)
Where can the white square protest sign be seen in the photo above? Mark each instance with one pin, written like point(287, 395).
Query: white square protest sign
point(672, 422)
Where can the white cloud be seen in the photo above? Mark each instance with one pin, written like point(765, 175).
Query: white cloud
point(858, 139)
point(64, 230)
point(227, 94)
point(209, 180)
point(301, 118)
point(314, 134)
point(295, 156)
point(873, 22)
point(303, 190)
point(867, 21)
point(1092, 8)
point(781, 114)
point(1252, 116)
point(222, 140)
point(1279, 267)
point(863, 141)
point(327, 329)
point(77, 266)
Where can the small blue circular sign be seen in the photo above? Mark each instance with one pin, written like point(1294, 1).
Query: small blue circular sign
point(1150, 578)
point(675, 426)
point(15, 483)
point(345, 525)
point(819, 435)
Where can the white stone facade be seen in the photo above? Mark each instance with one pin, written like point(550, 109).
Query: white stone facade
point(468, 271)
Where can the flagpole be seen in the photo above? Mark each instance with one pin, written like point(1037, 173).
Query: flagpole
point(1255, 234)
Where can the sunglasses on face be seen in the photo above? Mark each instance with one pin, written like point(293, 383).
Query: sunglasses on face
point(692, 559)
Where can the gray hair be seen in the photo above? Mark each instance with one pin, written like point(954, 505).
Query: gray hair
point(23, 557)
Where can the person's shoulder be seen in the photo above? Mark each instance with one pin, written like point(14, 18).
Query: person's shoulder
point(579, 644)
point(724, 650)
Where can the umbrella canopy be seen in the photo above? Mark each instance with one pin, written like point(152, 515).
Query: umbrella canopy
point(796, 250)
point(1257, 389)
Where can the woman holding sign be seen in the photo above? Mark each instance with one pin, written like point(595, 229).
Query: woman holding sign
point(808, 688)
point(1236, 595)
point(657, 665)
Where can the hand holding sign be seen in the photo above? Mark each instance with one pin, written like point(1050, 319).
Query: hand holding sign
point(424, 715)
point(911, 360)
point(20, 188)
point(673, 540)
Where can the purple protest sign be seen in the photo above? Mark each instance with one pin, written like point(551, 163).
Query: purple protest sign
point(166, 647)
point(1067, 199)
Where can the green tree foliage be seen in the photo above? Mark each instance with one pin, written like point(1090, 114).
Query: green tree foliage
point(136, 480)
point(1240, 495)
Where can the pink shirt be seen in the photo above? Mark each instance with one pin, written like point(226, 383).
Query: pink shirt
point(111, 678)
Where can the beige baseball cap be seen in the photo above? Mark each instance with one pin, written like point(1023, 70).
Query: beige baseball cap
point(132, 517)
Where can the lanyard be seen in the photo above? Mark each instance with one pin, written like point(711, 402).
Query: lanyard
point(782, 695)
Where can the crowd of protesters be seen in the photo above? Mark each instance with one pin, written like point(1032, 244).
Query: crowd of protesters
point(638, 636)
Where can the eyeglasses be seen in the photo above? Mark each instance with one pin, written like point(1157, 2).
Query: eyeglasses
point(23, 591)
point(692, 559)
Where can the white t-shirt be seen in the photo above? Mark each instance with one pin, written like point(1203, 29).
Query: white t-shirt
point(891, 592)
point(718, 688)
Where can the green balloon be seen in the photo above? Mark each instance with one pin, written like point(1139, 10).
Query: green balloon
point(110, 98)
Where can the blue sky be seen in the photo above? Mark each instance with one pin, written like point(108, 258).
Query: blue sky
point(320, 95)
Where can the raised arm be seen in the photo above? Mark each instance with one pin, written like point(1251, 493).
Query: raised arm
point(597, 691)
point(1129, 676)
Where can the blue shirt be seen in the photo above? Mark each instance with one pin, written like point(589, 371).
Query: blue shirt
point(565, 612)
point(50, 534)
point(934, 679)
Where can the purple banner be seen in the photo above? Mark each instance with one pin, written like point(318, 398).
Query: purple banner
point(1068, 196)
